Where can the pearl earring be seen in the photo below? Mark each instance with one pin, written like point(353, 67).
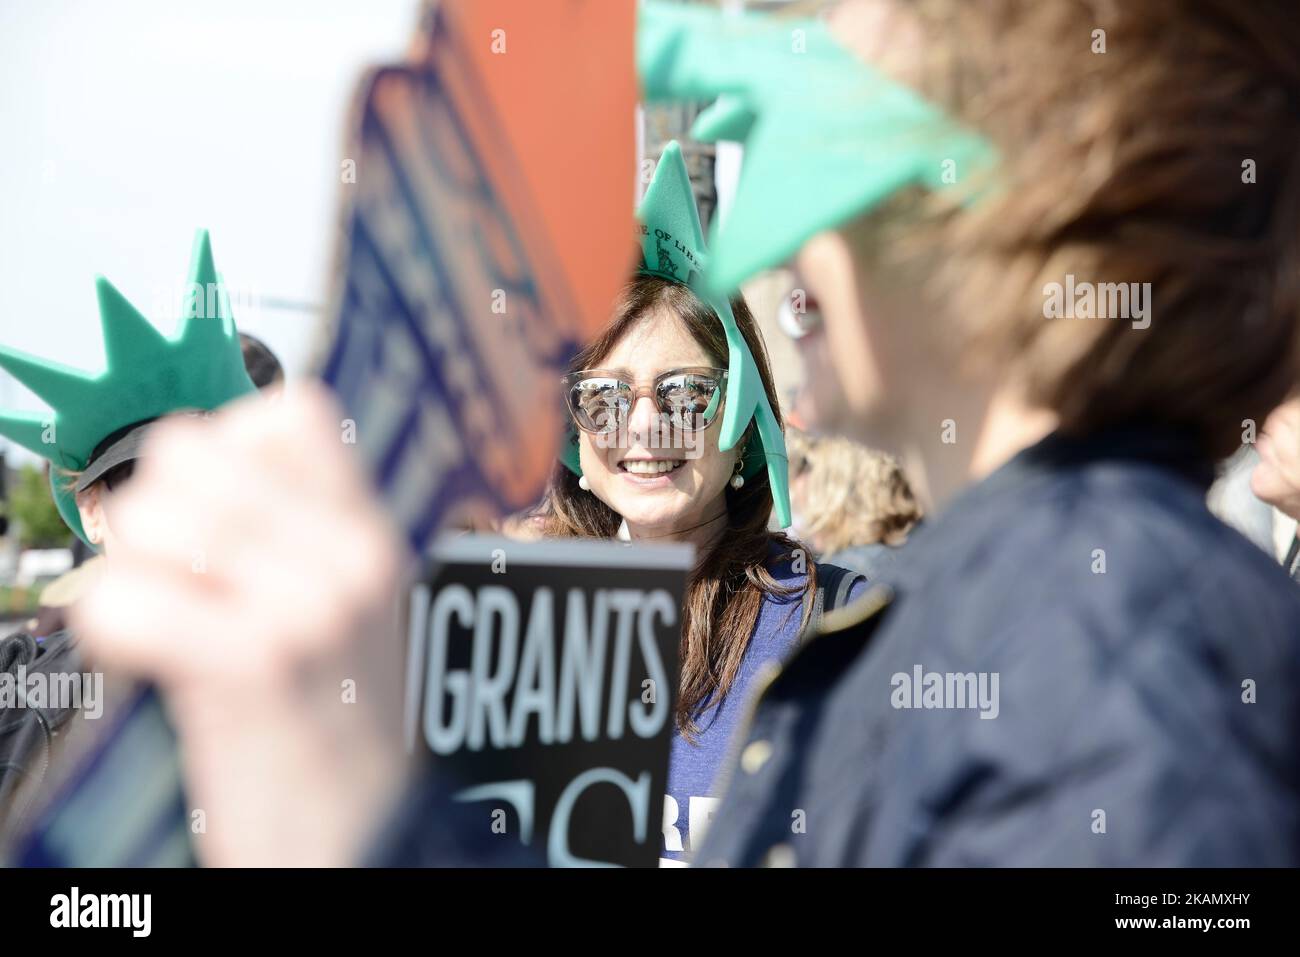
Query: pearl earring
point(738, 480)
point(583, 483)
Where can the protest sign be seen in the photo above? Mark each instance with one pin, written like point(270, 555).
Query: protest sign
point(542, 677)
point(488, 188)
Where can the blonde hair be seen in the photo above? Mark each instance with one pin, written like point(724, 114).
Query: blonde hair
point(849, 494)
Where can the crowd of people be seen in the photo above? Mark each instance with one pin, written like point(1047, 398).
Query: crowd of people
point(1140, 654)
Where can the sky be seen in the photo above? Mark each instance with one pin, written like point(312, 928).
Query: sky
point(124, 127)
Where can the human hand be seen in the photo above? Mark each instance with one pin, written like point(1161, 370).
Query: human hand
point(255, 581)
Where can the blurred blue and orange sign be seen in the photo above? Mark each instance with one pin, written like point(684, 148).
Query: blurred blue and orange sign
point(483, 241)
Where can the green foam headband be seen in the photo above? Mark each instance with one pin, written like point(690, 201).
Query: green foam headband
point(827, 138)
point(672, 246)
point(147, 375)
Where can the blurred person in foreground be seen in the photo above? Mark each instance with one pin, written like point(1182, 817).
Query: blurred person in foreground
point(851, 503)
point(1117, 638)
point(1073, 663)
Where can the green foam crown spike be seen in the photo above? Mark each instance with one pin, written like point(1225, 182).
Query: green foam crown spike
point(672, 245)
point(147, 375)
point(827, 138)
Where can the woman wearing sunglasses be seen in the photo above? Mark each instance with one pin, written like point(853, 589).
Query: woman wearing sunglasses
point(645, 460)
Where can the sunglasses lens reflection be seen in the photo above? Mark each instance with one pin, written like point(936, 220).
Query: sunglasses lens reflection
point(688, 401)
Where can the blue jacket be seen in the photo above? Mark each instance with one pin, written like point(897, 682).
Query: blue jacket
point(1117, 670)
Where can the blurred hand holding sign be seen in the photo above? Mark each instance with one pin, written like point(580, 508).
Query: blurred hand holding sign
point(493, 183)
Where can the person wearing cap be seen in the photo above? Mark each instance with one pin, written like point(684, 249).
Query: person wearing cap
point(265, 372)
point(92, 437)
point(661, 449)
point(96, 425)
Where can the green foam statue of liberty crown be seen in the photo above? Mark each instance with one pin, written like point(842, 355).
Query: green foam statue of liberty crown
point(147, 375)
point(827, 137)
point(672, 246)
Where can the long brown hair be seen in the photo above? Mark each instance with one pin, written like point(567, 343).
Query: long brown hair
point(728, 584)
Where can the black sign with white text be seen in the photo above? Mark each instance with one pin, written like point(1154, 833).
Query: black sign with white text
point(543, 675)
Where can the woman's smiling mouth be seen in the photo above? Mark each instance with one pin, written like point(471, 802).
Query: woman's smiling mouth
point(650, 471)
point(650, 466)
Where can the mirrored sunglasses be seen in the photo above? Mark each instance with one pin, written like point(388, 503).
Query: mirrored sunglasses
point(689, 399)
